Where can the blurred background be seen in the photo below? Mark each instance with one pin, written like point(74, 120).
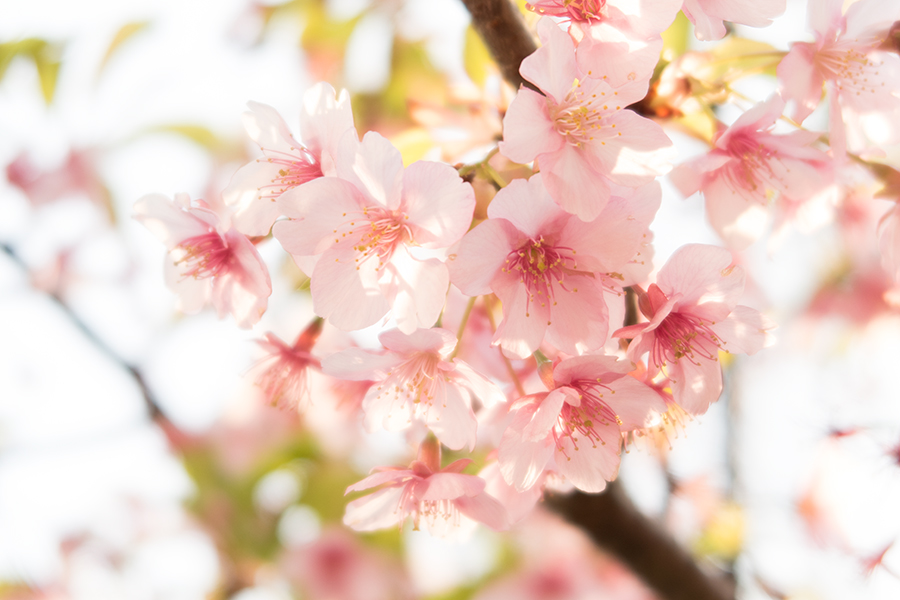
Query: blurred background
point(137, 459)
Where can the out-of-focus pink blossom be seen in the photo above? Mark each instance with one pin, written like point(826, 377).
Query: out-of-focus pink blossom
point(210, 261)
point(414, 380)
point(375, 236)
point(75, 176)
point(848, 55)
point(694, 314)
point(579, 131)
point(708, 16)
point(287, 163)
point(284, 378)
point(889, 241)
point(444, 500)
point(548, 267)
point(578, 424)
point(751, 167)
point(338, 566)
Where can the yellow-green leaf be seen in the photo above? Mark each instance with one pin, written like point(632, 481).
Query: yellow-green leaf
point(676, 38)
point(125, 33)
point(476, 58)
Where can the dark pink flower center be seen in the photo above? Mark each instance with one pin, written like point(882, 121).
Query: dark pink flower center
point(580, 422)
point(575, 10)
point(541, 265)
point(297, 167)
point(754, 164)
point(205, 255)
point(682, 335)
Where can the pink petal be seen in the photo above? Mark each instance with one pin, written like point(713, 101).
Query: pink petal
point(588, 467)
point(438, 203)
point(696, 386)
point(483, 389)
point(356, 364)
point(451, 418)
point(522, 462)
point(594, 366)
point(376, 169)
point(267, 128)
point(634, 403)
point(552, 66)
point(317, 209)
point(524, 322)
point(419, 290)
point(527, 205)
point(745, 331)
point(528, 129)
point(481, 255)
point(484, 509)
point(702, 274)
point(168, 222)
point(572, 177)
point(579, 320)
point(420, 340)
point(324, 120)
point(375, 511)
point(545, 417)
point(637, 152)
point(394, 477)
point(739, 221)
point(347, 295)
point(447, 486)
point(801, 82)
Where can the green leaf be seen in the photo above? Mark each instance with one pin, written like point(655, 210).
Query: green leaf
point(476, 58)
point(676, 38)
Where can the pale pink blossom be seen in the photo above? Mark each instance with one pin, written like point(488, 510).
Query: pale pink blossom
point(286, 162)
point(751, 167)
point(579, 130)
point(694, 313)
point(210, 261)
point(415, 380)
point(284, 377)
point(708, 16)
point(618, 39)
point(889, 241)
point(445, 501)
point(377, 235)
point(338, 566)
point(549, 268)
point(847, 55)
point(576, 428)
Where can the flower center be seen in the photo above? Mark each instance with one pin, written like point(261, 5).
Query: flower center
point(579, 117)
point(579, 422)
point(754, 165)
point(296, 169)
point(683, 335)
point(851, 69)
point(575, 10)
point(413, 384)
point(539, 266)
point(205, 256)
point(374, 232)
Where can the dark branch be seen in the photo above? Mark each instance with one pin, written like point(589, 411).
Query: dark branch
point(614, 524)
point(503, 29)
point(156, 414)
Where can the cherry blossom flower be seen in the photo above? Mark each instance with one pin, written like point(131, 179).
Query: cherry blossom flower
point(579, 131)
point(445, 500)
point(749, 167)
point(211, 262)
point(694, 314)
point(376, 235)
point(848, 55)
point(708, 16)
point(578, 424)
point(550, 268)
point(287, 163)
point(284, 379)
point(415, 380)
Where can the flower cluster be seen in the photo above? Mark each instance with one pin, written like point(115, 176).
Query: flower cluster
point(555, 373)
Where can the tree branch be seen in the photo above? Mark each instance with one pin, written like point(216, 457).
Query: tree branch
point(614, 524)
point(503, 29)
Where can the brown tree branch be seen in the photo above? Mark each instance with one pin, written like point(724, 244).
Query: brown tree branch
point(503, 29)
point(616, 525)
